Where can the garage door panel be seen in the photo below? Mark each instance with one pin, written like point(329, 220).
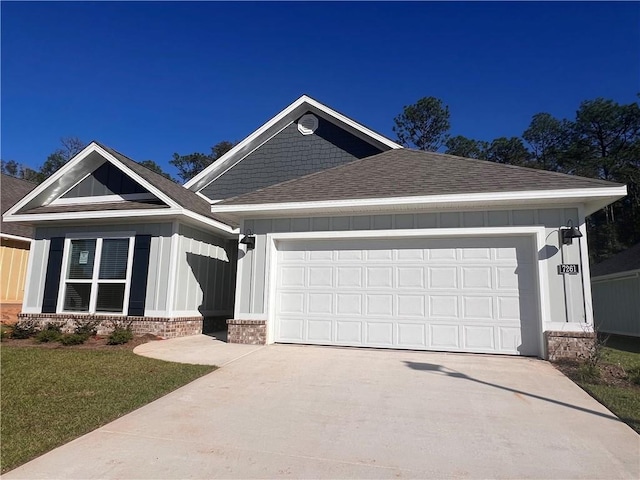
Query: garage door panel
point(410, 277)
point(320, 276)
point(320, 303)
point(464, 294)
point(445, 336)
point(349, 332)
point(509, 338)
point(411, 334)
point(442, 277)
point(380, 304)
point(379, 277)
point(478, 337)
point(410, 305)
point(379, 333)
point(292, 277)
point(291, 329)
point(508, 308)
point(474, 308)
point(292, 302)
point(319, 331)
point(476, 277)
point(348, 304)
point(443, 306)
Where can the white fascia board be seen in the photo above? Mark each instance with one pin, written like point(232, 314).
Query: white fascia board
point(119, 214)
point(282, 119)
point(16, 238)
point(64, 170)
point(606, 194)
point(91, 215)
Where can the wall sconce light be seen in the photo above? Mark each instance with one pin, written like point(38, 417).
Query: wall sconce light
point(569, 232)
point(249, 240)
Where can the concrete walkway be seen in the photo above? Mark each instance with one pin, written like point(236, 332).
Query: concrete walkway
point(313, 412)
point(197, 349)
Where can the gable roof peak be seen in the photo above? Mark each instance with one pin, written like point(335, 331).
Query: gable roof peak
point(291, 113)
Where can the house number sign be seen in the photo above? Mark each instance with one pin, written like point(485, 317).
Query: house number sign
point(568, 269)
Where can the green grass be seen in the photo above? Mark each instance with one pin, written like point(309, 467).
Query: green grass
point(51, 396)
point(622, 397)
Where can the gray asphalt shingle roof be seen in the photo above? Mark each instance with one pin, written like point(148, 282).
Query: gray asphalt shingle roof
point(404, 173)
point(12, 191)
point(624, 261)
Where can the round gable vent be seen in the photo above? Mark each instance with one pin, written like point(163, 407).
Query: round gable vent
point(307, 124)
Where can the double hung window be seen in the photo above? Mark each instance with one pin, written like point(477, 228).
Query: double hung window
point(97, 275)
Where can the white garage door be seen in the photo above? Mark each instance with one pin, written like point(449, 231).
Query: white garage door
point(453, 294)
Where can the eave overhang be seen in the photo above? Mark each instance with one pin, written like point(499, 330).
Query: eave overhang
point(592, 199)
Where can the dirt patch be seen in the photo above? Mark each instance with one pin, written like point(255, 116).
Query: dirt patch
point(606, 374)
point(96, 342)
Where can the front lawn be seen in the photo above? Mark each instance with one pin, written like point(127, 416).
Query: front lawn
point(53, 395)
point(615, 379)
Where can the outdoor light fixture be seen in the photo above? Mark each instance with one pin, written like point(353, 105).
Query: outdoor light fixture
point(569, 232)
point(249, 240)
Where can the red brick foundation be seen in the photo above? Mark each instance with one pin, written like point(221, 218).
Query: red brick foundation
point(252, 332)
point(162, 327)
point(569, 345)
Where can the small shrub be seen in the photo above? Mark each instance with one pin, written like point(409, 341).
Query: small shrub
point(120, 336)
point(73, 339)
point(24, 329)
point(48, 335)
point(88, 327)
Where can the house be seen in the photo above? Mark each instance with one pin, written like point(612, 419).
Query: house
point(317, 230)
point(615, 284)
point(15, 241)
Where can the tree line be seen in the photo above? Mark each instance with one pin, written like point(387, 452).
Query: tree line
point(602, 141)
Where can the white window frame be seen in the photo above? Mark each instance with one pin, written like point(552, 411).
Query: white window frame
point(95, 280)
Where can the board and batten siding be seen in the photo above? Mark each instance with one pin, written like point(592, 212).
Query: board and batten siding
point(13, 269)
point(251, 295)
point(159, 260)
point(205, 280)
point(616, 303)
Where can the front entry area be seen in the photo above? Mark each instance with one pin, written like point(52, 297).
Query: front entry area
point(471, 294)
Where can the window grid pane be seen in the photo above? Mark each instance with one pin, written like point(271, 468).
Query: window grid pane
point(110, 297)
point(113, 262)
point(81, 260)
point(76, 298)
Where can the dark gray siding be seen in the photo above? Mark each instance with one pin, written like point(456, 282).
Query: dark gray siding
point(106, 180)
point(290, 155)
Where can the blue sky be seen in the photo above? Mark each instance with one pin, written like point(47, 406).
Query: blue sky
point(154, 78)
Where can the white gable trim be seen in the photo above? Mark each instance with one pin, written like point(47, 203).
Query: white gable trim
point(68, 169)
point(277, 123)
point(593, 198)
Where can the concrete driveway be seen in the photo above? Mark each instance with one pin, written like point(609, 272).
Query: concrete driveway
point(314, 412)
